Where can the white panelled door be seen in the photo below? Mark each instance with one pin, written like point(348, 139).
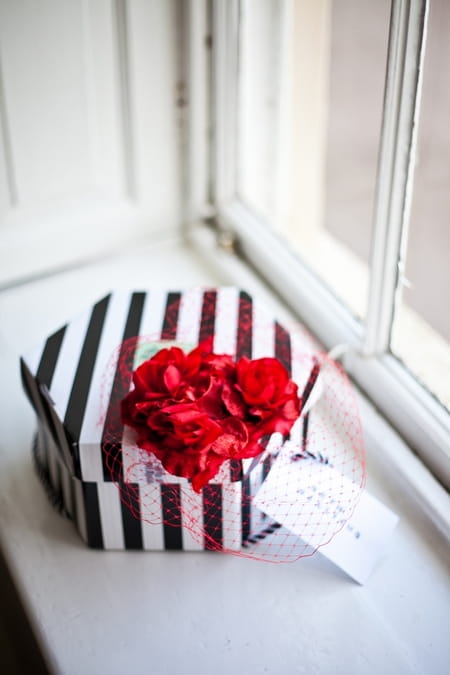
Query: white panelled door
point(88, 135)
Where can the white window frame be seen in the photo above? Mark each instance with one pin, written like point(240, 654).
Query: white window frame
point(417, 416)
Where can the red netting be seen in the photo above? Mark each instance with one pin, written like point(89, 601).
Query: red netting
point(280, 506)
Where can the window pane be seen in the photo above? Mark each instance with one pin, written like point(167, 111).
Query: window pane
point(311, 82)
point(421, 329)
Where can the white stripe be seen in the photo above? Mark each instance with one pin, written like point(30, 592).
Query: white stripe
point(189, 316)
point(177, 480)
point(152, 534)
point(67, 363)
point(231, 514)
point(225, 338)
point(191, 505)
point(231, 509)
point(263, 334)
point(110, 516)
point(133, 459)
point(192, 519)
point(257, 519)
point(302, 364)
point(227, 313)
point(33, 358)
point(150, 331)
point(101, 384)
point(153, 315)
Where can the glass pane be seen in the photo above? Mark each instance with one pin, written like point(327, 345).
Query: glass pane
point(421, 328)
point(311, 83)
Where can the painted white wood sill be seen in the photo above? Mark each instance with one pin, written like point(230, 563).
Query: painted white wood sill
point(134, 612)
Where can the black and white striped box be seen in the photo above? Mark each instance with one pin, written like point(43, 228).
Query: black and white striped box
point(69, 378)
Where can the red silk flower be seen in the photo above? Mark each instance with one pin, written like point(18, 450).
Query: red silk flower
point(194, 411)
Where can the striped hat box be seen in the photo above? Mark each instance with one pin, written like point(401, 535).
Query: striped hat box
point(69, 377)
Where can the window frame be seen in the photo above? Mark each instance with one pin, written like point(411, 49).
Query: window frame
point(413, 411)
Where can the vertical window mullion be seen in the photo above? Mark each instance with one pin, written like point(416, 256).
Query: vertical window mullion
point(225, 88)
point(194, 96)
point(396, 167)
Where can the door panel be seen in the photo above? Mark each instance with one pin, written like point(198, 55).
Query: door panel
point(88, 129)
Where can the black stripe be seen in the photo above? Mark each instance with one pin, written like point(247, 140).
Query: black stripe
point(267, 463)
point(58, 485)
point(131, 517)
point(171, 511)
point(54, 495)
point(245, 326)
point(44, 378)
point(305, 432)
point(42, 445)
point(80, 389)
point(246, 508)
point(63, 442)
point(206, 330)
point(113, 428)
point(212, 518)
point(49, 358)
point(92, 511)
point(43, 409)
point(208, 317)
point(51, 418)
point(59, 478)
point(67, 491)
point(283, 350)
point(244, 348)
point(30, 388)
point(262, 534)
point(314, 374)
point(51, 460)
point(74, 493)
point(169, 327)
point(236, 471)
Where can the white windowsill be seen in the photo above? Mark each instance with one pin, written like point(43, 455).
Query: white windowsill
point(122, 612)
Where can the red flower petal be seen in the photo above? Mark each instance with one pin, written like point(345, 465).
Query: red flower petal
point(233, 401)
point(172, 378)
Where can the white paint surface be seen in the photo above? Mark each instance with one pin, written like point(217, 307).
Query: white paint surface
point(89, 135)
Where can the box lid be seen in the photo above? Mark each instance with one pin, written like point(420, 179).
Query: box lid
point(75, 385)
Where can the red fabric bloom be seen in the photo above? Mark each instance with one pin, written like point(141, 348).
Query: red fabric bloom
point(194, 411)
point(268, 392)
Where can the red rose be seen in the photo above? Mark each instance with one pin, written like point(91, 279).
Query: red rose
point(181, 436)
point(270, 395)
point(169, 373)
point(194, 411)
point(169, 376)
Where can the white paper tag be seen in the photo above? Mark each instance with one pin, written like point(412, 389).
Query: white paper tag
point(300, 495)
point(357, 548)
